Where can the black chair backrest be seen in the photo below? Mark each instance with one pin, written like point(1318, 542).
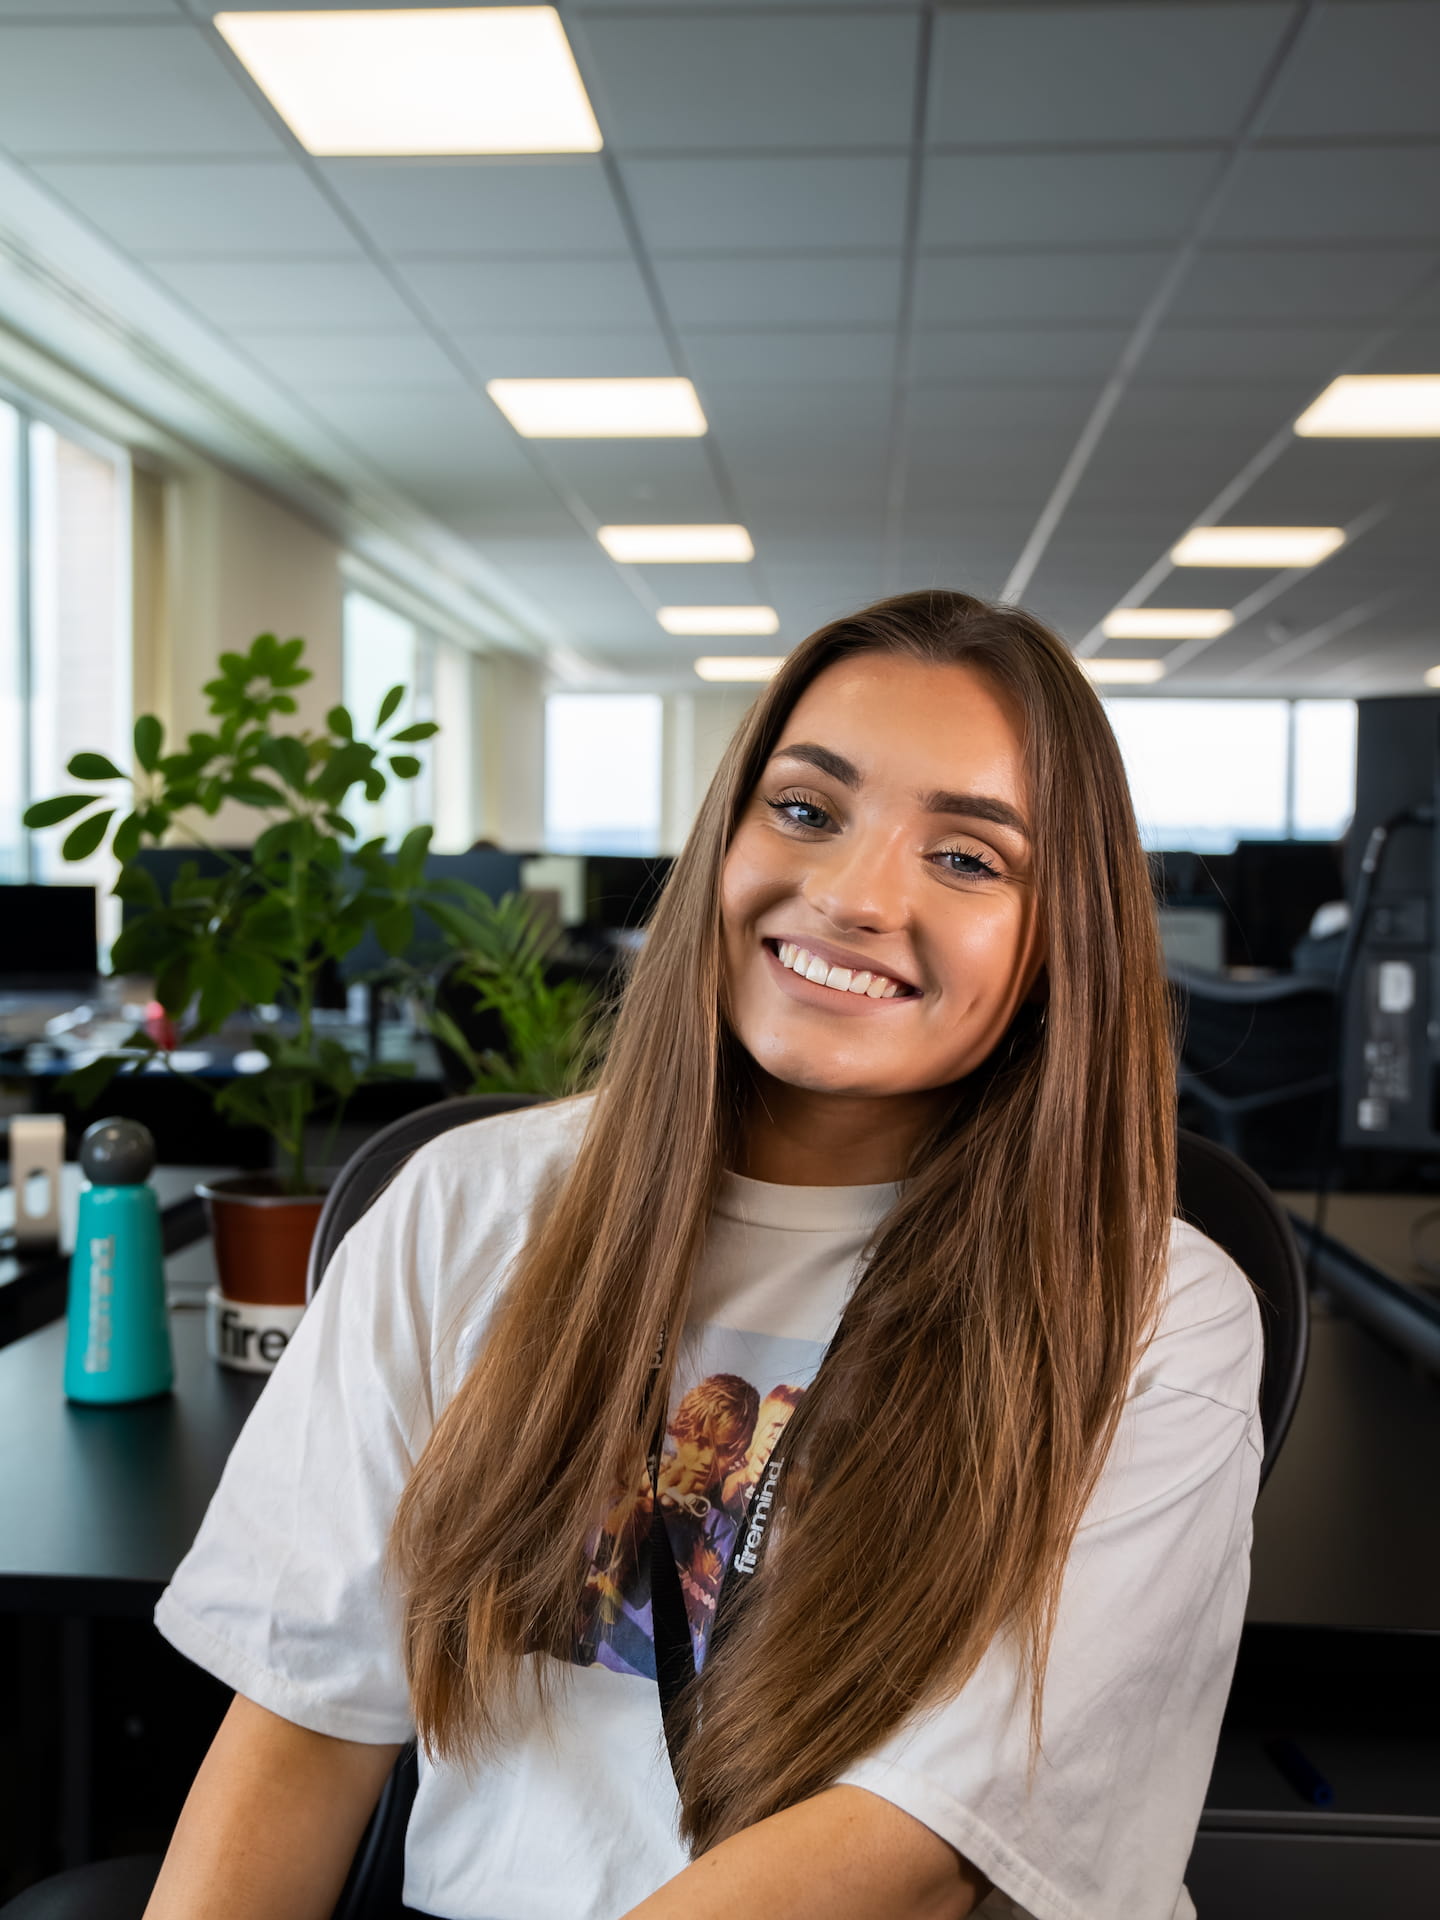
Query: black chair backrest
point(1255, 1036)
point(372, 1167)
point(1224, 1199)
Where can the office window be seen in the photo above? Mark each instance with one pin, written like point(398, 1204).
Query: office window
point(12, 677)
point(1206, 773)
point(64, 628)
point(1323, 771)
point(602, 773)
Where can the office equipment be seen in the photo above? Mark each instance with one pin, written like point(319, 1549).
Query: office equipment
point(118, 1342)
point(37, 1153)
point(1390, 1067)
point(1273, 889)
point(493, 872)
point(47, 937)
point(621, 889)
point(1193, 936)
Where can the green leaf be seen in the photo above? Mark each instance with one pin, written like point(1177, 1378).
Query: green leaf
point(82, 841)
point(404, 766)
point(93, 766)
point(137, 887)
point(389, 704)
point(395, 929)
point(254, 793)
point(86, 1084)
point(346, 766)
point(338, 720)
point(410, 855)
point(127, 838)
point(374, 785)
point(49, 813)
point(149, 739)
point(421, 730)
point(339, 823)
point(286, 756)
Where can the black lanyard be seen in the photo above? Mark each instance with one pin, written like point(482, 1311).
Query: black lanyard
point(670, 1620)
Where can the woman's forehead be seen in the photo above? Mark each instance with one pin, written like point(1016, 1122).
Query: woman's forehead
point(940, 725)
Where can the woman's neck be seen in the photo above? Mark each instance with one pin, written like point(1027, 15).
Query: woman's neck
point(794, 1137)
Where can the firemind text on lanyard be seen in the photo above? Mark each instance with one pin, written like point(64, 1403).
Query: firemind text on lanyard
point(747, 1556)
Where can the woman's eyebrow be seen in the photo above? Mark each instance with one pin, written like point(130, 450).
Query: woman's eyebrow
point(970, 806)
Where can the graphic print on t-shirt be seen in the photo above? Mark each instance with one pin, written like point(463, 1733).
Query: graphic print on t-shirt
point(733, 1394)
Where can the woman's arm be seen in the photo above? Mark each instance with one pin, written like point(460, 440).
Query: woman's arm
point(271, 1824)
point(845, 1855)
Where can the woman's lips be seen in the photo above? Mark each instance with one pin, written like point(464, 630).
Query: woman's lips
point(835, 999)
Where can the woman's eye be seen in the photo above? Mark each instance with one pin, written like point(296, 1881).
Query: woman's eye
point(800, 813)
point(967, 866)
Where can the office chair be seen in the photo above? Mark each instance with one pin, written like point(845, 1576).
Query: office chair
point(1257, 1067)
point(1217, 1193)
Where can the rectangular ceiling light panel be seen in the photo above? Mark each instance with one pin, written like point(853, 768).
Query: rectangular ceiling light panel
point(428, 80)
point(735, 666)
point(600, 409)
point(1124, 673)
point(1167, 623)
point(1256, 546)
point(719, 619)
point(661, 546)
point(1375, 406)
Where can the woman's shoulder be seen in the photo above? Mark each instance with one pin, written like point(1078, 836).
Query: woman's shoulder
point(507, 1157)
point(1208, 1338)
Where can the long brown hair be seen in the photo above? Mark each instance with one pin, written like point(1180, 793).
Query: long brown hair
point(942, 1460)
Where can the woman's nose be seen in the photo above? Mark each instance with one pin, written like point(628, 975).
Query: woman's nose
point(859, 883)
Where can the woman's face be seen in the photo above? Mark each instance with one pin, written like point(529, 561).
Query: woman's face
point(888, 837)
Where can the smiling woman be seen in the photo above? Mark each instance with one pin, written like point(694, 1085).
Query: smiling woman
point(830, 1401)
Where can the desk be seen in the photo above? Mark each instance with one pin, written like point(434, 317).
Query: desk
point(33, 1285)
point(1364, 1259)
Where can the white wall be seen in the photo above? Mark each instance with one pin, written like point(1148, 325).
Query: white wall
point(509, 765)
point(698, 728)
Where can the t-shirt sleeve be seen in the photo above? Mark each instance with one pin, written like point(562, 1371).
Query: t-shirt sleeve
point(282, 1596)
point(1144, 1649)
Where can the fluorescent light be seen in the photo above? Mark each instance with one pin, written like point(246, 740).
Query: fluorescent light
point(1124, 673)
point(653, 546)
point(1167, 623)
point(735, 666)
point(718, 619)
point(1432, 677)
point(599, 409)
point(1256, 546)
point(424, 80)
point(1375, 405)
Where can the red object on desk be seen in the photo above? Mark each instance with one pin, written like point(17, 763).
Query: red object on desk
point(160, 1027)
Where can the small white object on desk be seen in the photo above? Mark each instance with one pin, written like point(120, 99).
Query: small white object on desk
point(37, 1153)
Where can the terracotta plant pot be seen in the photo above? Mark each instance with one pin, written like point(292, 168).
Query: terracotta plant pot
point(262, 1242)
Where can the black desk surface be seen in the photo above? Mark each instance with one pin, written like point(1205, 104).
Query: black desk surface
point(98, 1504)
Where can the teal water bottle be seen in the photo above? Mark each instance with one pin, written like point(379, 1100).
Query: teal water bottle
point(118, 1341)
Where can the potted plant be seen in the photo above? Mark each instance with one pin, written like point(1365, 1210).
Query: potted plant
point(257, 929)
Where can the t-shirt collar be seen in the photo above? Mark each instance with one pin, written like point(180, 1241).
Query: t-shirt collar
point(760, 1203)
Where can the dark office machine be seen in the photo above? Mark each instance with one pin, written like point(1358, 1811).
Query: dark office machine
point(47, 938)
point(1390, 1073)
point(621, 889)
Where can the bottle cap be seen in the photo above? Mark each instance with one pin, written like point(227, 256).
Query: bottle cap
point(117, 1153)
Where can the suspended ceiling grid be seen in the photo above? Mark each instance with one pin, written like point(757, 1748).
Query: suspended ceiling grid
point(992, 297)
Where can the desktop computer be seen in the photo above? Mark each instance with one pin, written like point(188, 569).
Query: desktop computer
point(1390, 1062)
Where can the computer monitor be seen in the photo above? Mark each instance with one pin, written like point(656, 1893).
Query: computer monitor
point(621, 889)
point(493, 872)
point(47, 936)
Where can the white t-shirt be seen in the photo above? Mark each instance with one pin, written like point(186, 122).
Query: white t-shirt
point(281, 1596)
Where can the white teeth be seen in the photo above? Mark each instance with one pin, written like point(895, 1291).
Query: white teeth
point(875, 986)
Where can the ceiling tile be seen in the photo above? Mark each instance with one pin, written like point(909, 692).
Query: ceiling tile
point(693, 80)
point(529, 206)
point(1036, 287)
point(1027, 75)
point(1416, 350)
point(1302, 287)
point(1363, 70)
point(559, 294)
point(208, 208)
point(1070, 200)
point(740, 205)
point(497, 354)
point(324, 296)
point(1341, 193)
point(45, 10)
point(1237, 353)
point(783, 358)
point(312, 360)
point(637, 480)
point(757, 292)
point(1049, 355)
point(145, 88)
